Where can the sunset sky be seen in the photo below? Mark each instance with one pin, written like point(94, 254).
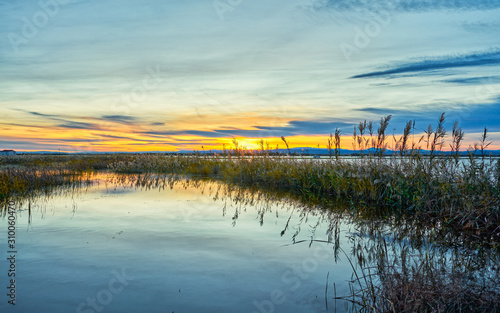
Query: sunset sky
point(163, 75)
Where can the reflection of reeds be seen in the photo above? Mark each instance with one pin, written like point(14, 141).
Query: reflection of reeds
point(428, 279)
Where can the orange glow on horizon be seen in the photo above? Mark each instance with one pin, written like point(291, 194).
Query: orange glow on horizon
point(125, 138)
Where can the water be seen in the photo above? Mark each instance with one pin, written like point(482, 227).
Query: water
point(116, 248)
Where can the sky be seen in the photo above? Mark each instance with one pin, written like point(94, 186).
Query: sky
point(163, 75)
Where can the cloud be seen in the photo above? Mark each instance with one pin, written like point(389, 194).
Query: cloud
point(40, 114)
point(77, 125)
point(481, 80)
point(184, 132)
point(119, 118)
point(409, 5)
point(475, 118)
point(472, 118)
point(21, 145)
point(485, 58)
point(382, 111)
point(69, 121)
point(64, 121)
point(481, 27)
point(115, 137)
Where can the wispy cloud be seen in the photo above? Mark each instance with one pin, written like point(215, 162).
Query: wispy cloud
point(422, 65)
point(119, 118)
point(410, 5)
point(80, 122)
point(63, 121)
point(77, 125)
point(474, 80)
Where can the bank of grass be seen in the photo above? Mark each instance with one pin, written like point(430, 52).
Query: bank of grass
point(22, 175)
point(68, 162)
point(23, 182)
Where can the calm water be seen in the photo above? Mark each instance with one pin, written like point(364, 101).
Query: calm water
point(116, 248)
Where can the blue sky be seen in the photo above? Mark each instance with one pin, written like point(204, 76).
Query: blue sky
point(167, 75)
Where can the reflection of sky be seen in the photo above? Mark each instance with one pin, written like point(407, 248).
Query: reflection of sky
point(184, 255)
point(165, 75)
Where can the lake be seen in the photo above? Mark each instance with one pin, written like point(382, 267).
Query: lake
point(116, 246)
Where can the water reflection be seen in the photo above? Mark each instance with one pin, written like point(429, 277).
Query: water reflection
point(135, 243)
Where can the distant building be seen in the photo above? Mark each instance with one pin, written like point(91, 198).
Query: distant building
point(7, 152)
